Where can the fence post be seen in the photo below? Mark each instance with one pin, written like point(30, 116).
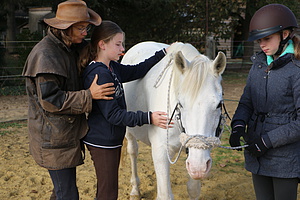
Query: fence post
point(210, 47)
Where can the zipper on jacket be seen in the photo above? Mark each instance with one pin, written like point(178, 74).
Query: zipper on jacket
point(266, 86)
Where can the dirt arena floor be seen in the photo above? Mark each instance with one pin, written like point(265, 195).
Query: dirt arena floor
point(22, 179)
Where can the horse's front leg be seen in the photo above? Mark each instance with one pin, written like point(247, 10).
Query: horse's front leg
point(132, 149)
point(162, 171)
point(194, 188)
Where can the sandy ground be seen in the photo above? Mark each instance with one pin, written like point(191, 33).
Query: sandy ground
point(13, 108)
point(22, 179)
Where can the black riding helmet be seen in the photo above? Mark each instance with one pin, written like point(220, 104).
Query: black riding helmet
point(270, 19)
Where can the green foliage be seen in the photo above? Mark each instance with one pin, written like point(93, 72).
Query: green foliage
point(175, 20)
point(28, 41)
point(11, 82)
point(143, 20)
point(227, 160)
point(6, 126)
point(13, 90)
point(170, 20)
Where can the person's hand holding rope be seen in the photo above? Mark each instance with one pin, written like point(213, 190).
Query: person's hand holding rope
point(235, 138)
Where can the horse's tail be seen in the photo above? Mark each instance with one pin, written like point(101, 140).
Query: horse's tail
point(124, 153)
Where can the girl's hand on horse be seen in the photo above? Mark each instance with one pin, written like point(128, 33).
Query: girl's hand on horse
point(160, 119)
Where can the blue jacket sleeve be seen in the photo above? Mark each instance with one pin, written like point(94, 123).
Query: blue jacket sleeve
point(133, 72)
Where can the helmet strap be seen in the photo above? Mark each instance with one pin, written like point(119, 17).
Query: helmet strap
point(282, 44)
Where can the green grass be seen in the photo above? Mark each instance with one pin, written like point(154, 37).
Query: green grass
point(9, 127)
point(227, 160)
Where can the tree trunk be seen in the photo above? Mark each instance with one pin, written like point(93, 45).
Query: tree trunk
point(248, 46)
point(11, 27)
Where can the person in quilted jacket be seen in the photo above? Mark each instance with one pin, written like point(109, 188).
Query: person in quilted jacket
point(267, 113)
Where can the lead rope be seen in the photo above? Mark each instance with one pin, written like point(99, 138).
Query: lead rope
point(223, 124)
point(156, 85)
point(157, 82)
point(168, 109)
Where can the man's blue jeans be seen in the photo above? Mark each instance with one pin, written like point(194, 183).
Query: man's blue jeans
point(64, 182)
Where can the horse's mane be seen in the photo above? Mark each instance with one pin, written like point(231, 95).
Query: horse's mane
point(195, 74)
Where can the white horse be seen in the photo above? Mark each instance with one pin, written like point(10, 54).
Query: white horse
point(188, 84)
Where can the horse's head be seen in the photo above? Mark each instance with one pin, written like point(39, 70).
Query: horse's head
point(199, 95)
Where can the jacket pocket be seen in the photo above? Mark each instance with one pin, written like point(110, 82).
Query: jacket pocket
point(58, 132)
point(274, 122)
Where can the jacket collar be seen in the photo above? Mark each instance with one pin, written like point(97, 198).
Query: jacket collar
point(57, 41)
point(281, 61)
point(261, 59)
point(288, 49)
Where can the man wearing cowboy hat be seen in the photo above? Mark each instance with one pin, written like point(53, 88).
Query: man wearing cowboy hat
point(57, 102)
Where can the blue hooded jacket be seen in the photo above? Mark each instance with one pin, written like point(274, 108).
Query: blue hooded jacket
point(109, 118)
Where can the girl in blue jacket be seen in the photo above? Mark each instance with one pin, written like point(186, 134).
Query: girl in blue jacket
point(108, 119)
point(270, 105)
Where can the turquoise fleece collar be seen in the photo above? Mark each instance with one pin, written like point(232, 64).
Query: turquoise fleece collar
point(288, 49)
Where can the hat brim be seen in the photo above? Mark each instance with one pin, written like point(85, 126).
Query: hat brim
point(258, 34)
point(95, 19)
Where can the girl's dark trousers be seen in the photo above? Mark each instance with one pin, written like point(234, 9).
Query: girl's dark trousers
point(106, 162)
point(271, 188)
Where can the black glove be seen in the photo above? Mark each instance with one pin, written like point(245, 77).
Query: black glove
point(237, 132)
point(257, 148)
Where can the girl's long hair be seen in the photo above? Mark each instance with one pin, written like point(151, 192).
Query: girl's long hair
point(296, 41)
point(105, 31)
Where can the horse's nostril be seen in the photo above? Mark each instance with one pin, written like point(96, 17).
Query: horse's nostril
point(208, 164)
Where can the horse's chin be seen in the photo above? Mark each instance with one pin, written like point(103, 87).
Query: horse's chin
point(199, 176)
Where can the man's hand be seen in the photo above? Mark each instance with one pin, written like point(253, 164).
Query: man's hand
point(101, 91)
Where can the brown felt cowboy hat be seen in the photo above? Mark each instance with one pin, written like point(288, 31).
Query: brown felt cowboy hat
point(71, 12)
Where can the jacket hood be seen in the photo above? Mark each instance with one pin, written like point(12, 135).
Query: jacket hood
point(91, 67)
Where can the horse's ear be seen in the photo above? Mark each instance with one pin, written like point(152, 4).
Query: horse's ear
point(219, 63)
point(180, 61)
